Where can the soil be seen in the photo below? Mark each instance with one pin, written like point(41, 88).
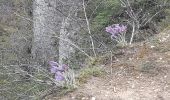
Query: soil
point(142, 72)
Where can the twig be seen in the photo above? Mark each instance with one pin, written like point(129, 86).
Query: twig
point(88, 27)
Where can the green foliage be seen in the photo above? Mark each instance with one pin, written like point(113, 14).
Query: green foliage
point(95, 61)
point(103, 14)
point(86, 73)
point(165, 22)
point(99, 13)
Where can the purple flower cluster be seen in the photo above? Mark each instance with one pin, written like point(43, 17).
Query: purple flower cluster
point(116, 29)
point(58, 70)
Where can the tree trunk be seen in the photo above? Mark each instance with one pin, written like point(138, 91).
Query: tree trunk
point(67, 32)
point(45, 25)
point(54, 17)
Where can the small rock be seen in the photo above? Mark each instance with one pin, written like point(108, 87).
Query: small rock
point(137, 77)
point(133, 86)
point(83, 98)
point(93, 98)
point(152, 46)
point(106, 95)
point(73, 98)
point(165, 76)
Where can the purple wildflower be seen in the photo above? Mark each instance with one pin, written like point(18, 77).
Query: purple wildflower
point(116, 29)
point(54, 66)
point(59, 76)
point(53, 63)
point(65, 67)
point(123, 28)
point(58, 70)
point(53, 69)
point(109, 29)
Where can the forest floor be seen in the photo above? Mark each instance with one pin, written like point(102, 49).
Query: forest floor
point(139, 72)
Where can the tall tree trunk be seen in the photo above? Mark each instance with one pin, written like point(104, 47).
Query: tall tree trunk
point(54, 17)
point(64, 46)
point(67, 32)
point(45, 22)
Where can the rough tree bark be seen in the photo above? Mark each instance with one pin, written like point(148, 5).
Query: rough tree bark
point(65, 49)
point(54, 17)
point(46, 21)
point(68, 29)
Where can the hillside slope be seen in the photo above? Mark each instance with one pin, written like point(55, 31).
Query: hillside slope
point(141, 72)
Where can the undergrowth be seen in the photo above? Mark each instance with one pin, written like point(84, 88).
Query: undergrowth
point(88, 72)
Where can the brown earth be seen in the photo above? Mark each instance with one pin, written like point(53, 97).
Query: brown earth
point(141, 72)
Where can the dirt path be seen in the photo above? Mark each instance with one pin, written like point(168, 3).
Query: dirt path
point(125, 83)
point(127, 87)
